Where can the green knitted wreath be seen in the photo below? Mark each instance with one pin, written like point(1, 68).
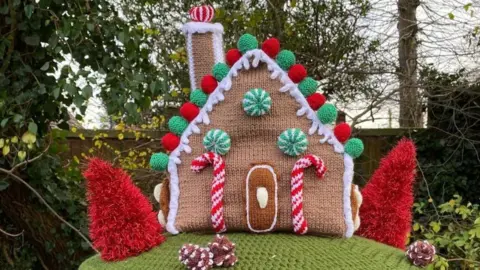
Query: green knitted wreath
point(217, 141)
point(257, 102)
point(292, 142)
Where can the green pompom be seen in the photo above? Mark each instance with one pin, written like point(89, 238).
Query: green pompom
point(286, 59)
point(217, 141)
point(220, 71)
point(159, 161)
point(246, 43)
point(177, 125)
point(308, 86)
point(198, 97)
point(354, 147)
point(327, 113)
point(292, 142)
point(256, 102)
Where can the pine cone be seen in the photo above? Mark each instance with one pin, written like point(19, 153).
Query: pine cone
point(195, 257)
point(421, 253)
point(223, 251)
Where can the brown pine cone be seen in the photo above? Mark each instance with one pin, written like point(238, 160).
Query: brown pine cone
point(195, 257)
point(421, 253)
point(223, 251)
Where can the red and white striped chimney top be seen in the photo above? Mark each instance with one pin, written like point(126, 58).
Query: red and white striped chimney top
point(202, 13)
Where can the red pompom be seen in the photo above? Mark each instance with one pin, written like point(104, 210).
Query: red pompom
point(232, 56)
point(271, 47)
point(342, 131)
point(386, 211)
point(208, 84)
point(297, 73)
point(189, 111)
point(170, 141)
point(122, 221)
point(316, 101)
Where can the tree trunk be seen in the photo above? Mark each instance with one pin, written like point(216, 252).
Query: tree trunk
point(410, 99)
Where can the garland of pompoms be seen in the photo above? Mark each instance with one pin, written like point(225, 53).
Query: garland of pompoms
point(326, 112)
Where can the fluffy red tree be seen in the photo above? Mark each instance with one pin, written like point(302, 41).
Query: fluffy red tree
point(122, 221)
point(386, 211)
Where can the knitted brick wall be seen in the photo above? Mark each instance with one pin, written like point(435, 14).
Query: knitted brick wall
point(203, 55)
point(253, 141)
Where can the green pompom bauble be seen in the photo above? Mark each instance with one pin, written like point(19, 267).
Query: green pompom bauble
point(354, 147)
point(286, 59)
point(257, 102)
point(292, 142)
point(159, 161)
point(246, 43)
point(198, 97)
point(327, 113)
point(217, 141)
point(220, 71)
point(308, 86)
point(177, 125)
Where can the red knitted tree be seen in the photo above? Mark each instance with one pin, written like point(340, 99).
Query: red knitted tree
point(386, 211)
point(122, 222)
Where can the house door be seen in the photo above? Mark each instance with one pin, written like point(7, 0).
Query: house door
point(261, 198)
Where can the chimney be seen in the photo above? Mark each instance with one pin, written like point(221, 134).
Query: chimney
point(204, 43)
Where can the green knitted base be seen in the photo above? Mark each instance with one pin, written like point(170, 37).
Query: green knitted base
point(271, 251)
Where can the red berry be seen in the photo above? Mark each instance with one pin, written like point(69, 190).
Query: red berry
point(316, 101)
point(297, 73)
point(189, 111)
point(342, 131)
point(170, 141)
point(208, 84)
point(271, 47)
point(232, 56)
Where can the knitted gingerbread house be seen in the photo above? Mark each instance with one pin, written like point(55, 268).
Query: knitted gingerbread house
point(254, 150)
point(260, 122)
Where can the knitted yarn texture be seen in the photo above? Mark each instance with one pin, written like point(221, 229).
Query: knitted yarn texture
point(287, 251)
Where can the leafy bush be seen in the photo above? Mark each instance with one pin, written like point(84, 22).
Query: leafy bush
point(454, 228)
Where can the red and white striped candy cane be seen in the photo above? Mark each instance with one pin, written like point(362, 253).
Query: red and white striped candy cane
point(218, 184)
point(299, 222)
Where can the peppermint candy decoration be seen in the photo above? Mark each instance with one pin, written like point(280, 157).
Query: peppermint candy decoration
point(202, 13)
point(292, 142)
point(257, 102)
point(217, 141)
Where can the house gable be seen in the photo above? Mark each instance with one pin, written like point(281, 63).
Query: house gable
point(249, 60)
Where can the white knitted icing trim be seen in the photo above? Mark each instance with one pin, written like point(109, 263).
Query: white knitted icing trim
point(201, 27)
point(255, 56)
point(347, 188)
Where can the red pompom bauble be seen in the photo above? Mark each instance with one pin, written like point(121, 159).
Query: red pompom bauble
point(189, 111)
point(271, 47)
point(342, 132)
point(297, 73)
point(316, 101)
point(232, 56)
point(208, 84)
point(170, 141)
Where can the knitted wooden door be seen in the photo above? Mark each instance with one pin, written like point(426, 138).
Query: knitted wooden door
point(261, 198)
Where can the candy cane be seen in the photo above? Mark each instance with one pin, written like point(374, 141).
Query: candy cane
point(218, 183)
point(299, 222)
